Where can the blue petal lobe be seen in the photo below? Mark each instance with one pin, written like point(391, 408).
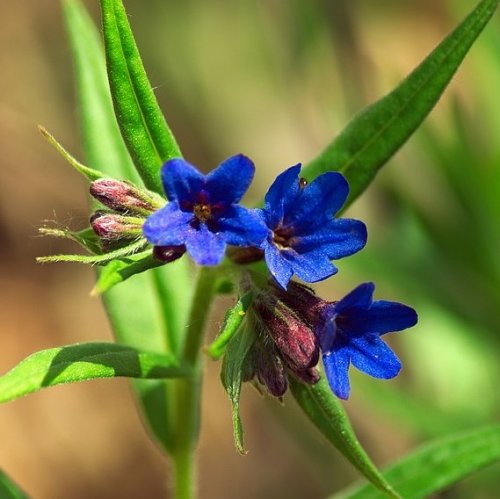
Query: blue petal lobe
point(282, 194)
point(205, 247)
point(279, 268)
point(181, 180)
point(336, 366)
point(320, 200)
point(336, 238)
point(359, 298)
point(310, 267)
point(372, 356)
point(168, 226)
point(242, 227)
point(382, 317)
point(230, 180)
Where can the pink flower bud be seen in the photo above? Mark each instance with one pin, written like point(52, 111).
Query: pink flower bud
point(294, 339)
point(124, 197)
point(302, 300)
point(114, 227)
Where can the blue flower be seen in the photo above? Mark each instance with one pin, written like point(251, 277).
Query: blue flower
point(350, 334)
point(203, 213)
point(302, 235)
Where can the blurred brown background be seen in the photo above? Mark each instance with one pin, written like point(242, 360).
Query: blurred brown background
point(274, 80)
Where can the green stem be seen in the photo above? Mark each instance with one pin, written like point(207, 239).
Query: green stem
point(188, 391)
point(200, 307)
point(184, 470)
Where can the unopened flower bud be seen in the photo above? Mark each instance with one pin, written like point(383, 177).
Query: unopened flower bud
point(310, 376)
point(294, 339)
point(168, 254)
point(112, 227)
point(124, 197)
point(270, 370)
point(303, 300)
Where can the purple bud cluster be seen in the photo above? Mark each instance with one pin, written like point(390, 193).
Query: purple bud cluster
point(299, 325)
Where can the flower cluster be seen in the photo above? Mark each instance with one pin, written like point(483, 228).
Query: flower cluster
point(296, 230)
point(296, 233)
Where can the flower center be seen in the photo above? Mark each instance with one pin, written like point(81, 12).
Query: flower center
point(282, 237)
point(202, 211)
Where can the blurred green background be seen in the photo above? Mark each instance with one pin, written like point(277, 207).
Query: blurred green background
point(275, 80)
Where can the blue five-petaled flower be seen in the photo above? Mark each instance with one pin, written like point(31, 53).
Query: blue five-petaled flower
point(350, 334)
point(302, 234)
point(203, 212)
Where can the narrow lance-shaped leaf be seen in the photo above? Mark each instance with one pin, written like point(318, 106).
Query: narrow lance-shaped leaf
point(150, 310)
point(87, 172)
point(436, 466)
point(104, 147)
point(232, 375)
point(379, 130)
point(143, 126)
point(328, 415)
point(83, 362)
point(10, 490)
point(95, 259)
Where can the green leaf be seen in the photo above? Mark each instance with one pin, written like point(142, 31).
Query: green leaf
point(83, 362)
point(327, 413)
point(103, 144)
point(95, 259)
point(379, 130)
point(86, 238)
point(10, 490)
point(87, 172)
point(232, 322)
point(437, 465)
point(149, 311)
point(233, 367)
point(117, 271)
point(143, 126)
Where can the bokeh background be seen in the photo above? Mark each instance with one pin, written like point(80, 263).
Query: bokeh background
point(275, 80)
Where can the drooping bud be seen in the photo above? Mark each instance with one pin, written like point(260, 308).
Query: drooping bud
point(269, 369)
point(123, 197)
point(310, 376)
point(168, 254)
point(303, 300)
point(294, 339)
point(111, 227)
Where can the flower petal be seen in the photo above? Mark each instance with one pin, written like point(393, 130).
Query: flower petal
point(204, 246)
point(279, 268)
point(336, 238)
point(382, 317)
point(336, 366)
point(310, 267)
point(319, 200)
point(168, 226)
point(230, 180)
point(360, 298)
point(242, 227)
point(181, 180)
point(372, 356)
point(281, 195)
